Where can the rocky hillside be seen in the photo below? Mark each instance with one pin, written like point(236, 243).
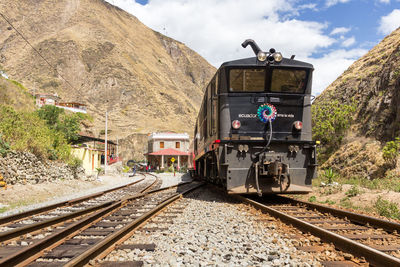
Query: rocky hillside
point(147, 81)
point(372, 83)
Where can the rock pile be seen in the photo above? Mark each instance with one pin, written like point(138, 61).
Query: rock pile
point(25, 167)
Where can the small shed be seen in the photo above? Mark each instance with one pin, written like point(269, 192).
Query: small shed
point(91, 151)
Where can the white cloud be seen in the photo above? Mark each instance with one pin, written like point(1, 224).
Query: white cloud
point(207, 27)
point(330, 3)
point(349, 41)
point(384, 1)
point(216, 34)
point(390, 22)
point(308, 6)
point(340, 30)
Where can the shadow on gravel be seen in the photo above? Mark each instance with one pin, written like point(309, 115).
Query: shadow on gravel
point(209, 193)
point(212, 193)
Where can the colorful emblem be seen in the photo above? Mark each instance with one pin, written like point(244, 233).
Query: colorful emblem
point(266, 112)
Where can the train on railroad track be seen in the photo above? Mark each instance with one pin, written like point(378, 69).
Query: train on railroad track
point(253, 130)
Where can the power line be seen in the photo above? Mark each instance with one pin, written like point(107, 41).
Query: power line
point(48, 63)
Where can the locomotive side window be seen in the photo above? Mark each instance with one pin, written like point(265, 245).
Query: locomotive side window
point(288, 81)
point(247, 80)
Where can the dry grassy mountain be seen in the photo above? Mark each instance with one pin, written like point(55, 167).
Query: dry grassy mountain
point(373, 82)
point(14, 94)
point(147, 81)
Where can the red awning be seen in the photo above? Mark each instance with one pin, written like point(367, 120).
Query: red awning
point(169, 152)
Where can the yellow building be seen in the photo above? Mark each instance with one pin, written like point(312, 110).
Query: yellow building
point(91, 158)
point(91, 151)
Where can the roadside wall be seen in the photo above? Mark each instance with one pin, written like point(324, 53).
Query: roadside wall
point(25, 167)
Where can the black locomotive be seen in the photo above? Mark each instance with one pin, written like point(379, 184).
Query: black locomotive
point(253, 131)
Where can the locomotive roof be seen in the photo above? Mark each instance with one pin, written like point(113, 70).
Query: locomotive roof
point(252, 61)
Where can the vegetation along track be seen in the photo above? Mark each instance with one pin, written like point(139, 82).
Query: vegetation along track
point(376, 240)
point(76, 242)
point(40, 222)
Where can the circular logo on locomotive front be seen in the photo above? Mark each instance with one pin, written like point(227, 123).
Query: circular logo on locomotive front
point(266, 112)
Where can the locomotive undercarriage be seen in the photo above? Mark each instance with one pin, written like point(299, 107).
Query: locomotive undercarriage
point(247, 169)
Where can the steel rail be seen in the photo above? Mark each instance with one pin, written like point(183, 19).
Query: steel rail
point(375, 257)
point(354, 217)
point(37, 248)
point(22, 215)
point(7, 235)
point(43, 224)
point(33, 251)
point(151, 185)
point(111, 240)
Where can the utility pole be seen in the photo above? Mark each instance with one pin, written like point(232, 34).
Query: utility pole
point(117, 149)
point(105, 148)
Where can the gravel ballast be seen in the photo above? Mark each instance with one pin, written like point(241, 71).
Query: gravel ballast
point(214, 231)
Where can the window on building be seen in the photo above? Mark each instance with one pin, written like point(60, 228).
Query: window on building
point(177, 144)
point(161, 144)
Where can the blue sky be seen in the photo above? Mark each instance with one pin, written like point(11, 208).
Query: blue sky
point(330, 34)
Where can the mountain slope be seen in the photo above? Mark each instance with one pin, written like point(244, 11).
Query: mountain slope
point(373, 84)
point(15, 95)
point(147, 81)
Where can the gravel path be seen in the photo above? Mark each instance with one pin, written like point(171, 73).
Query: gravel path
point(214, 231)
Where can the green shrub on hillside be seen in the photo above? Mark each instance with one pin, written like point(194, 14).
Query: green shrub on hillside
point(4, 147)
point(391, 151)
point(27, 131)
point(330, 121)
point(330, 176)
point(353, 191)
point(58, 120)
point(74, 163)
point(387, 208)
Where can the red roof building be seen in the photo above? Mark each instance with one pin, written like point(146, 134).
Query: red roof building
point(169, 151)
point(166, 149)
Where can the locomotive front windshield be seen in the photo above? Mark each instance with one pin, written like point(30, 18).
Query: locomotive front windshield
point(283, 80)
point(247, 80)
point(288, 81)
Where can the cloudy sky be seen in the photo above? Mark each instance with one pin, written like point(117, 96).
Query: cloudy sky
point(330, 34)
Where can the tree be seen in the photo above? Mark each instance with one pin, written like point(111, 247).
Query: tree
point(51, 115)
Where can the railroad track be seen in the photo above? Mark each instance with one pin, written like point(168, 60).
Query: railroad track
point(77, 241)
point(25, 227)
point(32, 220)
point(376, 240)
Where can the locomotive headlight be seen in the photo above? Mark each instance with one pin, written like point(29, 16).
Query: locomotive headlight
point(278, 57)
point(246, 148)
point(235, 124)
point(240, 148)
point(261, 56)
point(298, 125)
